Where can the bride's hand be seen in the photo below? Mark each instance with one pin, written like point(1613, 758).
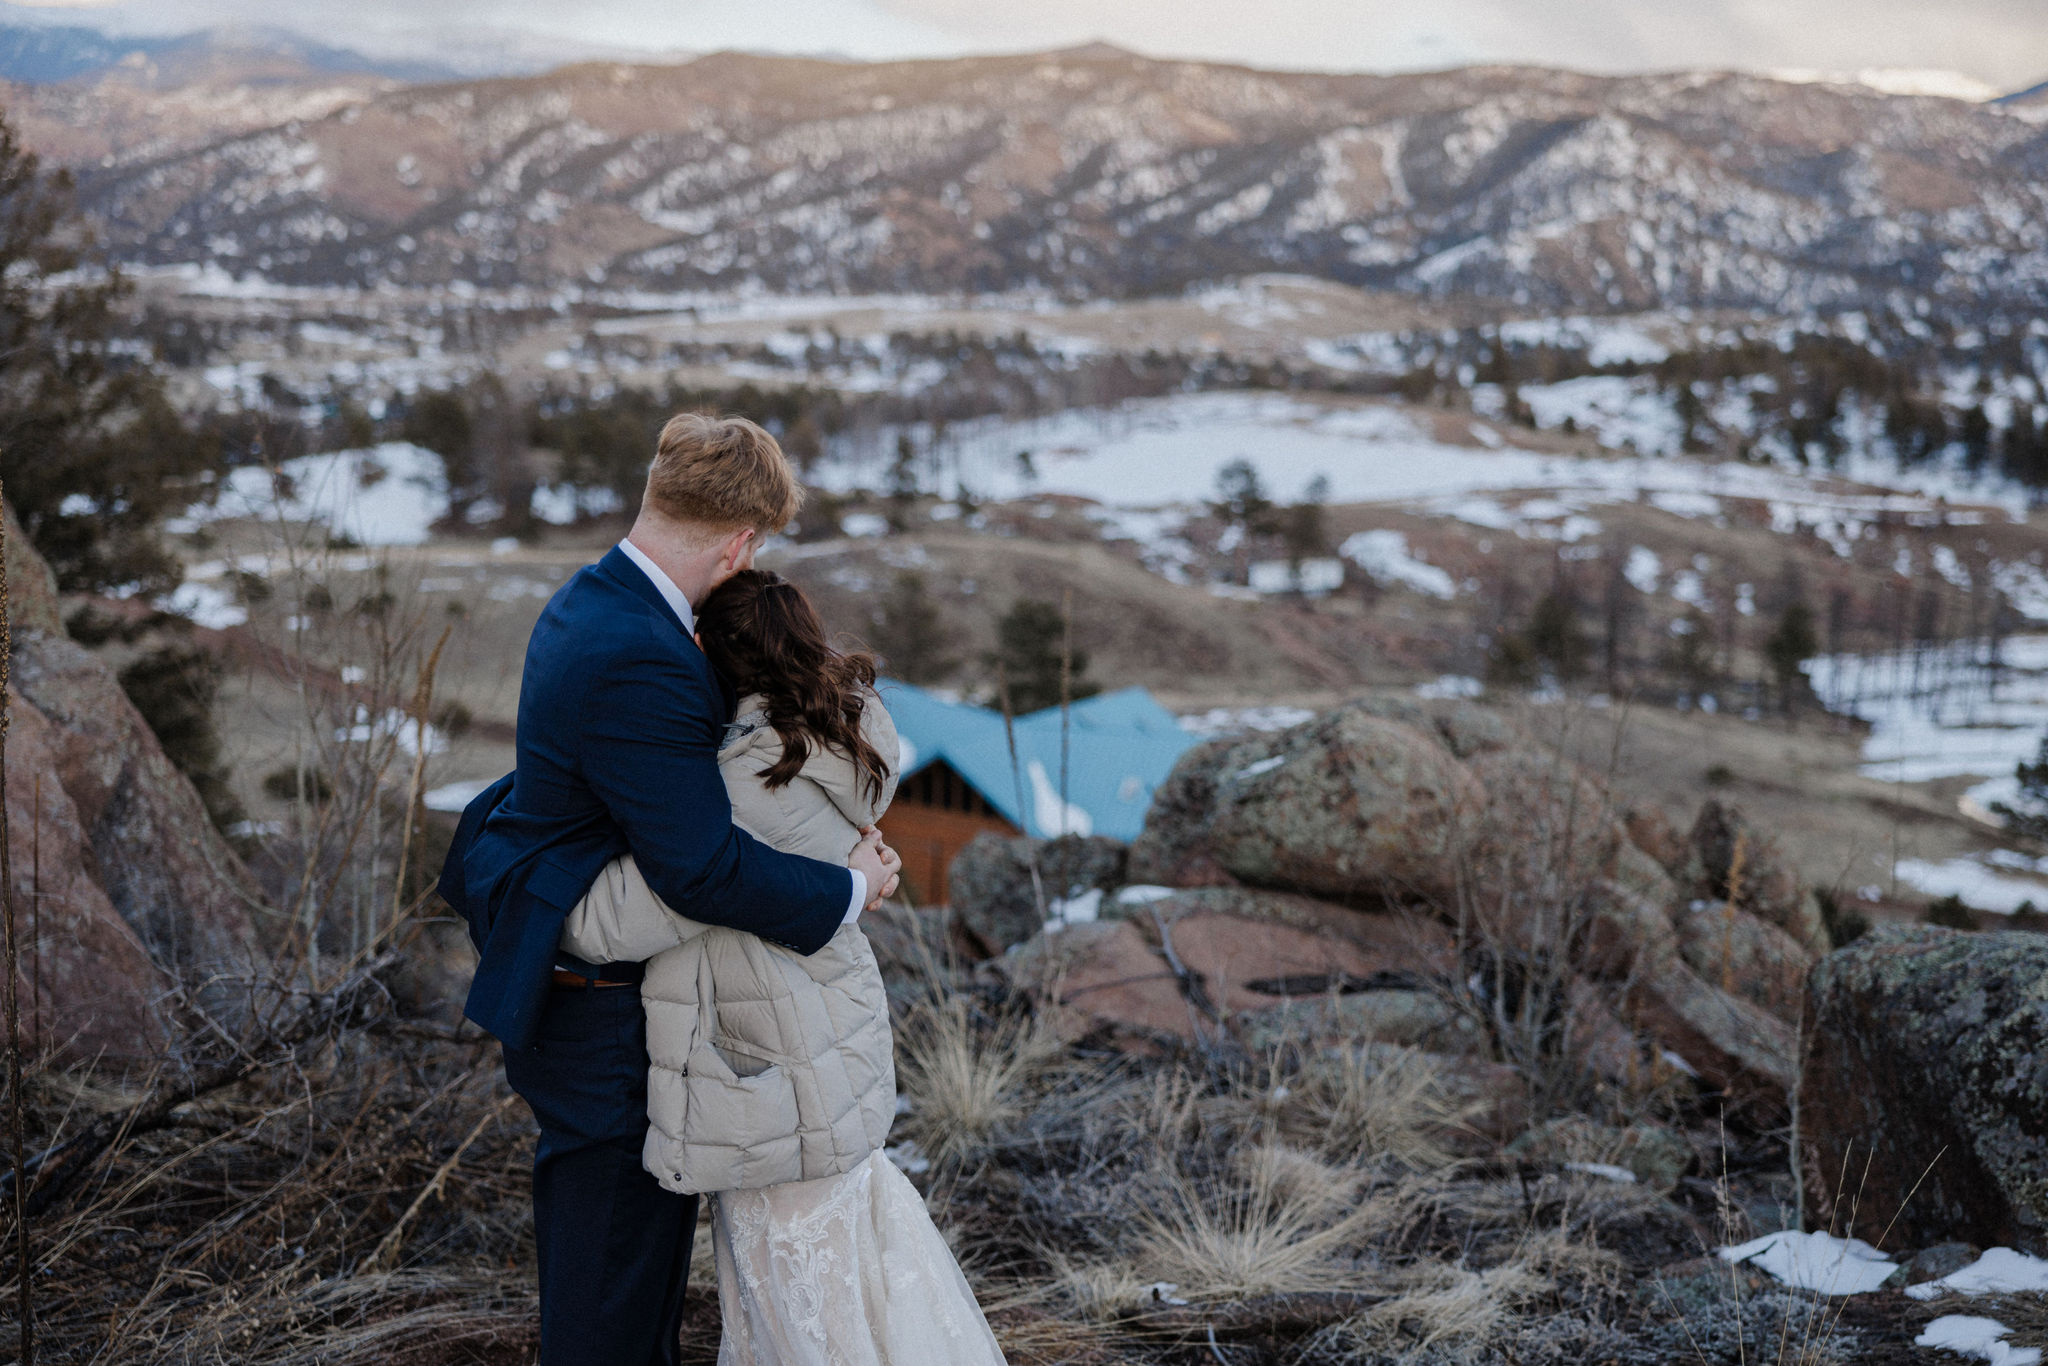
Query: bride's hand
point(879, 864)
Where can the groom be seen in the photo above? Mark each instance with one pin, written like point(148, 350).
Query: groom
point(620, 718)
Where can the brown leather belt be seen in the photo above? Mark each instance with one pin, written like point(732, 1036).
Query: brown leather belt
point(566, 978)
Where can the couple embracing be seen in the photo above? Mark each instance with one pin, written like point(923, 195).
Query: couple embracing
point(665, 897)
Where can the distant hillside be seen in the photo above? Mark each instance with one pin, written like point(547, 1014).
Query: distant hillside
point(1098, 172)
point(2034, 96)
point(40, 55)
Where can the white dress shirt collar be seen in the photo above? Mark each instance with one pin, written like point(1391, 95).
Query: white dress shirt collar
point(663, 585)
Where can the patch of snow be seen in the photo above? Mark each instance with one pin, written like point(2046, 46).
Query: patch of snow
point(1083, 909)
point(2025, 587)
point(1237, 720)
point(1979, 887)
point(1263, 766)
point(2000, 1271)
point(1385, 556)
point(389, 494)
point(1051, 817)
point(1971, 1336)
point(410, 734)
point(906, 1158)
point(1689, 503)
point(1643, 569)
point(1605, 1170)
point(1313, 578)
point(863, 524)
point(1450, 686)
point(1815, 1261)
point(205, 606)
point(1941, 712)
point(1618, 412)
point(1605, 341)
point(1144, 894)
point(453, 797)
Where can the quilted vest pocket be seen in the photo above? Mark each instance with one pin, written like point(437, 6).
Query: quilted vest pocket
point(736, 1112)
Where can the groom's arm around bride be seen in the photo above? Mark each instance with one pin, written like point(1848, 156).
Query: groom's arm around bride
point(620, 720)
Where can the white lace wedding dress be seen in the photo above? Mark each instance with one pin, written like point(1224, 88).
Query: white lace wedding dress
point(846, 1271)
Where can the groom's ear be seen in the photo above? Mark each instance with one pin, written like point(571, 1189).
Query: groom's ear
point(739, 550)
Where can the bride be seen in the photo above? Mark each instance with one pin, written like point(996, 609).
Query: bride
point(773, 1085)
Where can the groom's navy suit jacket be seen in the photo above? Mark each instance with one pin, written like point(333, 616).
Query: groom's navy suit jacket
point(620, 718)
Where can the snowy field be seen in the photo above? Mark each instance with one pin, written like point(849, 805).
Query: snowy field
point(1167, 452)
point(1952, 713)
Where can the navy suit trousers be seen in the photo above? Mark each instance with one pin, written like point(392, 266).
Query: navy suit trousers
point(614, 1246)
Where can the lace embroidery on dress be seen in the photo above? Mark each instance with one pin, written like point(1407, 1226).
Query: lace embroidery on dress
point(846, 1271)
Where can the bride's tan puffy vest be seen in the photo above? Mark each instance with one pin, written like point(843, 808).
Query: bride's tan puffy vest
point(768, 1066)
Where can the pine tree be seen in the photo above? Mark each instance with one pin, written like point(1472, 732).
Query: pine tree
point(93, 455)
point(2029, 817)
point(910, 633)
point(1241, 499)
point(1791, 643)
point(1027, 654)
point(1304, 528)
point(903, 487)
point(1555, 637)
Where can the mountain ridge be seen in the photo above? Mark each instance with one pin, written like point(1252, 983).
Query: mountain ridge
point(1095, 171)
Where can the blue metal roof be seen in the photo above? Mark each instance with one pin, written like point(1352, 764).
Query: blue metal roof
point(1120, 747)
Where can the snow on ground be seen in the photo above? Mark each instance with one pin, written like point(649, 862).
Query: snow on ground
point(1606, 341)
point(205, 605)
point(2000, 1271)
point(1980, 887)
point(389, 494)
point(1167, 452)
point(1643, 570)
point(1240, 720)
point(1971, 1336)
point(1622, 414)
point(453, 796)
point(1948, 713)
point(1941, 712)
point(1385, 556)
point(1816, 1261)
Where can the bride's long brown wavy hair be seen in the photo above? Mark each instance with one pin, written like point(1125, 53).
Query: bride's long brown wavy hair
point(761, 632)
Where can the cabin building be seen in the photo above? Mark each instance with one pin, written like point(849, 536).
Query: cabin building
point(959, 779)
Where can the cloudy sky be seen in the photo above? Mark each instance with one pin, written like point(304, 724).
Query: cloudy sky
point(2002, 42)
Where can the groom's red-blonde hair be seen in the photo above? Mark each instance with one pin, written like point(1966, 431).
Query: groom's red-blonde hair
point(722, 474)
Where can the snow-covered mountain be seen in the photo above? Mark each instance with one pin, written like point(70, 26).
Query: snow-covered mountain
point(1095, 171)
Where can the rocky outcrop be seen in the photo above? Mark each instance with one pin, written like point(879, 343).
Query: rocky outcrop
point(992, 889)
point(138, 891)
point(1731, 859)
point(1449, 810)
point(1751, 958)
point(1214, 960)
point(1348, 807)
point(1924, 1073)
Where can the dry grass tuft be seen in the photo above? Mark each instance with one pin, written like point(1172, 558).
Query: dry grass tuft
point(1281, 1223)
point(1377, 1102)
point(966, 1079)
point(1452, 1305)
